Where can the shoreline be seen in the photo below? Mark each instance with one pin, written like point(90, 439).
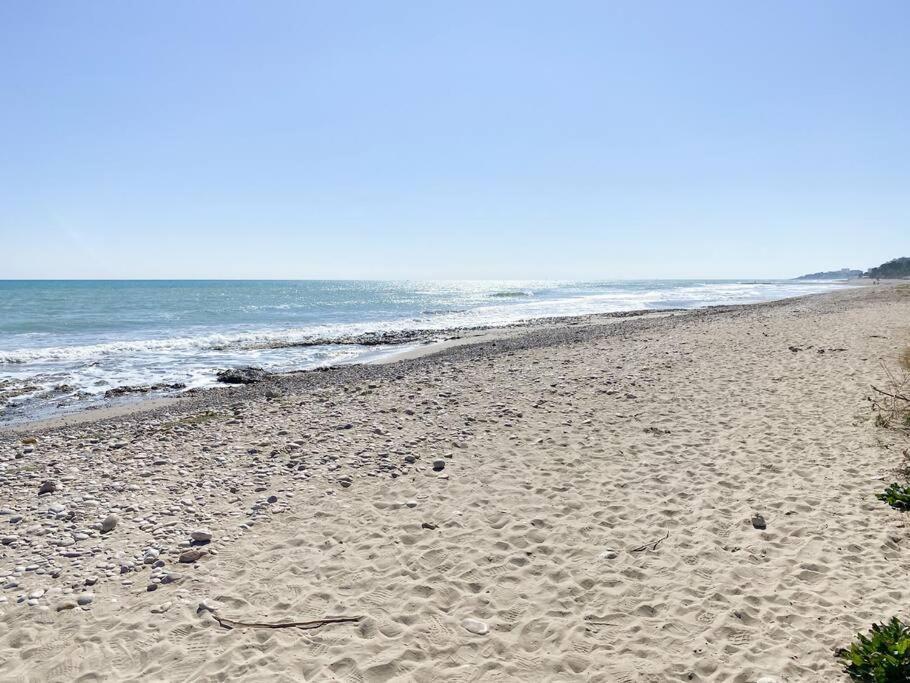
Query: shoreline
point(69, 391)
point(423, 345)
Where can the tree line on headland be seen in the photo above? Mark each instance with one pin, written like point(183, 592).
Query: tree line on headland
point(894, 269)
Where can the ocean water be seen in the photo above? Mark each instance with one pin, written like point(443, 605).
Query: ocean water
point(64, 344)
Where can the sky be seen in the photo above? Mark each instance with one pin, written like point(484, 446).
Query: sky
point(565, 140)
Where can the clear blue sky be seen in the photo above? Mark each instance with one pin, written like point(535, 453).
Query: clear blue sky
point(458, 139)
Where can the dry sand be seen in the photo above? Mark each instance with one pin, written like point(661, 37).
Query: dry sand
point(593, 512)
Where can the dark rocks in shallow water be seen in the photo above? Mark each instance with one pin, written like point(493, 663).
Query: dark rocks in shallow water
point(126, 389)
point(244, 375)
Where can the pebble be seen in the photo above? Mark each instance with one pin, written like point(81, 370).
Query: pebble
point(108, 524)
point(758, 521)
point(439, 465)
point(85, 599)
point(162, 608)
point(206, 606)
point(47, 486)
point(190, 556)
point(201, 535)
point(475, 626)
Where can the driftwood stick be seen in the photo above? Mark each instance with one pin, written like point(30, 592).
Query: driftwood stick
point(885, 393)
point(653, 544)
point(309, 625)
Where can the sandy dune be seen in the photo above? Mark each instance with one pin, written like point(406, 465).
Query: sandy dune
point(594, 512)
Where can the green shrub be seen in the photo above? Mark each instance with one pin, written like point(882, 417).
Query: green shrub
point(881, 656)
point(897, 496)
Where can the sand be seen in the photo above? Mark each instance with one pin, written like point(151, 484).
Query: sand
point(592, 514)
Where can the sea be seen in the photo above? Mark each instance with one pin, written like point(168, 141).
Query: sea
point(72, 345)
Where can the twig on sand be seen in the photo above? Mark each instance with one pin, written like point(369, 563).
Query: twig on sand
point(885, 393)
point(309, 625)
point(652, 545)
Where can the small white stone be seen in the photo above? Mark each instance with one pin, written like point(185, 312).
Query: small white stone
point(475, 626)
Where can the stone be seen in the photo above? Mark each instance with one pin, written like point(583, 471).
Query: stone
point(85, 599)
point(47, 486)
point(242, 375)
point(162, 608)
point(201, 535)
point(65, 605)
point(439, 465)
point(108, 524)
point(758, 521)
point(190, 556)
point(206, 606)
point(475, 626)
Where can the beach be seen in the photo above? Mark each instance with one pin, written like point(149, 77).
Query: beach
point(572, 500)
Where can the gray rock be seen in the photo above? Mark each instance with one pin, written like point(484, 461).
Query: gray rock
point(201, 535)
point(190, 556)
point(47, 486)
point(439, 465)
point(243, 375)
point(85, 599)
point(758, 521)
point(108, 524)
